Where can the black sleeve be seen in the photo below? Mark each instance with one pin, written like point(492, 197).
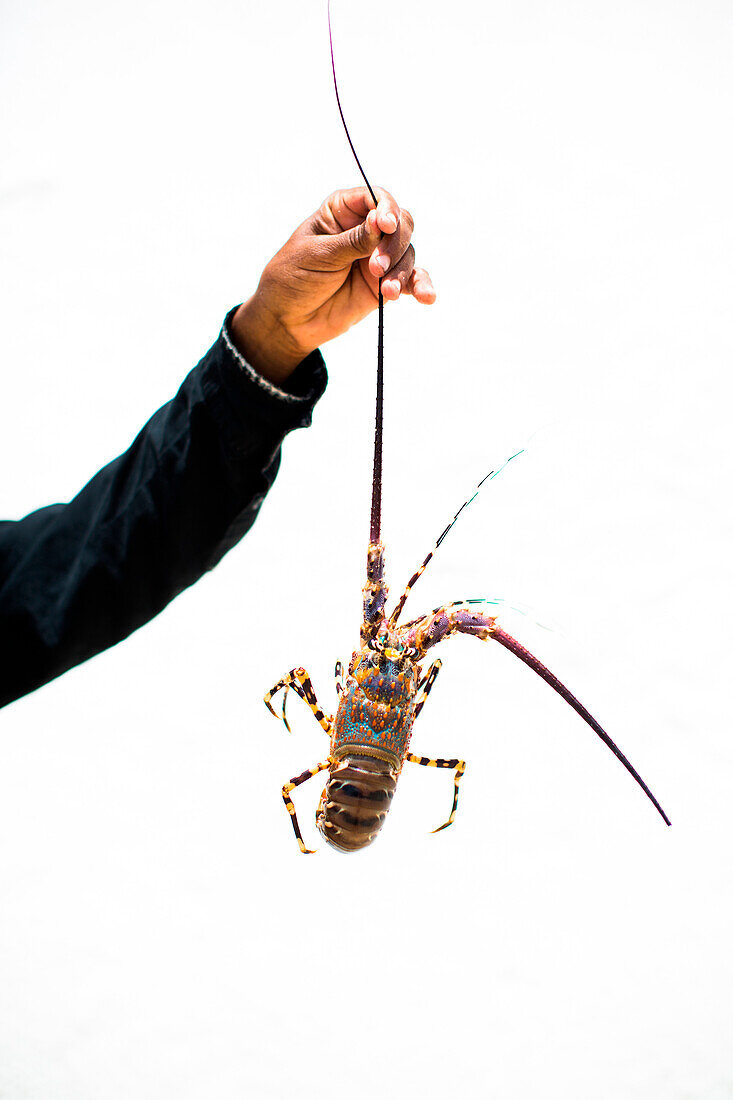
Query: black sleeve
point(76, 578)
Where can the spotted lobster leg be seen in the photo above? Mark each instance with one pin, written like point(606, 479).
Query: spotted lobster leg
point(426, 684)
point(288, 787)
point(440, 624)
point(460, 767)
point(299, 680)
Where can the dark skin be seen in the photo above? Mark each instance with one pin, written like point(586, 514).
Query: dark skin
point(325, 278)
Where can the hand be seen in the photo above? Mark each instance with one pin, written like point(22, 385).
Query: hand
point(326, 277)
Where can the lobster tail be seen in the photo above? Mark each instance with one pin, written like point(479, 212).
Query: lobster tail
point(532, 662)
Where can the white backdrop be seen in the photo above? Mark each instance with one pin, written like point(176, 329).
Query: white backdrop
point(569, 169)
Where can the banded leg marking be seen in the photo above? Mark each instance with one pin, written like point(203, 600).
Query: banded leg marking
point(288, 787)
point(426, 684)
point(299, 680)
point(460, 767)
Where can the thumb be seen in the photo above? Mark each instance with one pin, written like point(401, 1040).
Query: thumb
point(342, 249)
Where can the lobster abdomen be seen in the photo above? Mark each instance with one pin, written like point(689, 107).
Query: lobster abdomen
point(356, 800)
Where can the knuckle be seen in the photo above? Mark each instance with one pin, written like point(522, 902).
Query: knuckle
point(359, 236)
point(406, 266)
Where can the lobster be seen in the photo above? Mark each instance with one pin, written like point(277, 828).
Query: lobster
point(387, 684)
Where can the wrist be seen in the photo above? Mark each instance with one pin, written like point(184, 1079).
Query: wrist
point(265, 342)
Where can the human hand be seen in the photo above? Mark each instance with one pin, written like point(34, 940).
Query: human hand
point(326, 278)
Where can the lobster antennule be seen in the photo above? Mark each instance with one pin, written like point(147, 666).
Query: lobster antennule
point(394, 617)
point(532, 662)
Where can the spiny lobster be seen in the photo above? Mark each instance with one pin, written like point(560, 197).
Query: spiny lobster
point(387, 686)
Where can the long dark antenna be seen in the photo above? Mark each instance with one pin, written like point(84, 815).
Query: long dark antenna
point(376, 513)
point(532, 662)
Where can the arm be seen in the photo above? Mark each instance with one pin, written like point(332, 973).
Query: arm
point(76, 578)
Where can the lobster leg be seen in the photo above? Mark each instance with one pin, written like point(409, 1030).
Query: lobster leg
point(442, 623)
point(299, 680)
point(288, 787)
point(460, 767)
point(426, 684)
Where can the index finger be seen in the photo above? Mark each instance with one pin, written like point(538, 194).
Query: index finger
point(351, 206)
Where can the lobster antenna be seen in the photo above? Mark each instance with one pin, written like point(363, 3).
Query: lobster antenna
point(410, 584)
point(532, 662)
point(376, 512)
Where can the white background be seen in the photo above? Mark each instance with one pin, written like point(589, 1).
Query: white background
point(569, 169)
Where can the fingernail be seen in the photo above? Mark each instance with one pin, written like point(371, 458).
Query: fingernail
point(390, 222)
point(383, 263)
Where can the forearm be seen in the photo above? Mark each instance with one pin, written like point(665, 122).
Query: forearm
point(264, 341)
point(77, 578)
